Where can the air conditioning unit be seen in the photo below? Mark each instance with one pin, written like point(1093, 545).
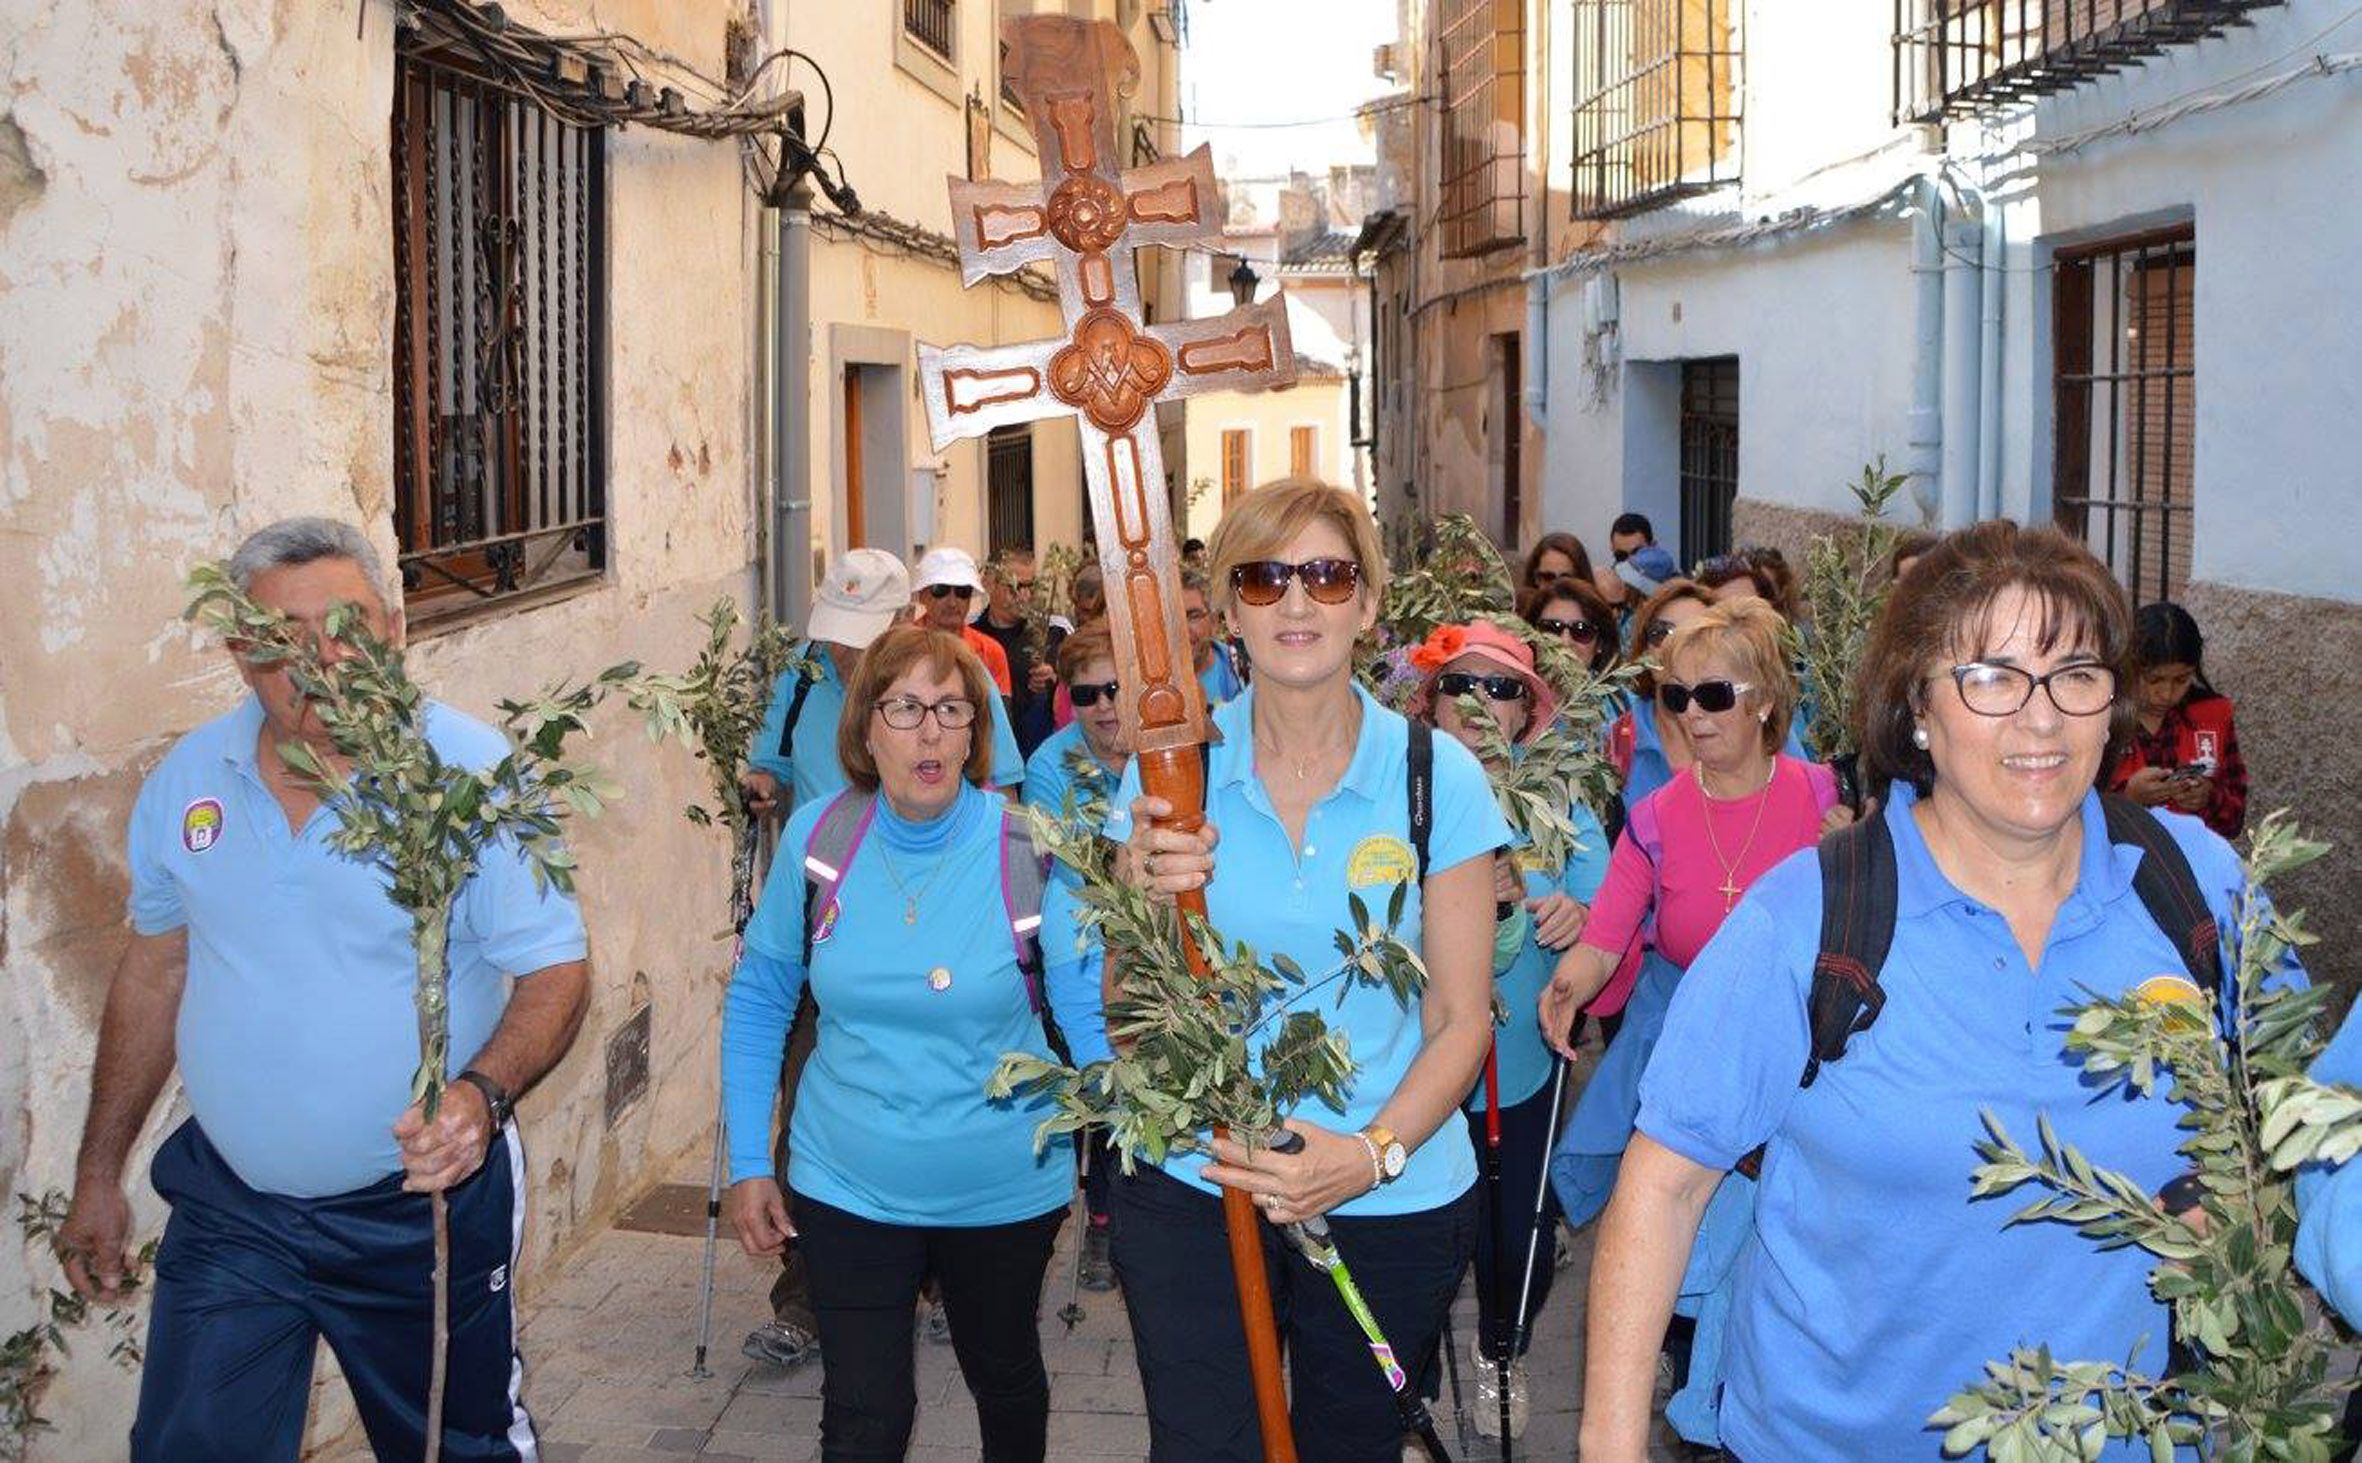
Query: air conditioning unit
point(1382, 63)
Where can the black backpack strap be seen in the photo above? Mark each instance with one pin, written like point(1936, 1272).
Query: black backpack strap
point(807, 675)
point(1421, 791)
point(2169, 890)
point(1858, 892)
point(1024, 879)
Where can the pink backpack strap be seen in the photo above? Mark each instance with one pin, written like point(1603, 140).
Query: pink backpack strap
point(828, 853)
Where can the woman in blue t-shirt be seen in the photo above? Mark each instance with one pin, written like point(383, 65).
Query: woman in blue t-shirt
point(1994, 692)
point(1308, 789)
point(900, 1167)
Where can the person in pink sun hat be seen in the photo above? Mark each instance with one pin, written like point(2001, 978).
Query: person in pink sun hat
point(1482, 659)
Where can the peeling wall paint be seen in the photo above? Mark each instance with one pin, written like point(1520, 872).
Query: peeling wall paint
point(195, 299)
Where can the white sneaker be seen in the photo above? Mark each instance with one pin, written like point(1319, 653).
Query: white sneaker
point(1487, 1408)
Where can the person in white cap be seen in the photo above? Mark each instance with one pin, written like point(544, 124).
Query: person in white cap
point(948, 596)
point(864, 592)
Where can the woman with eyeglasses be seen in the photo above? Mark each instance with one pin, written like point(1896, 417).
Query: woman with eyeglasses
point(1475, 674)
point(1556, 558)
point(1995, 692)
point(1307, 804)
point(899, 1166)
point(1687, 853)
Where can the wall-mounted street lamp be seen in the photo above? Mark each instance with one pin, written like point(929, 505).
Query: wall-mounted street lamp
point(1243, 283)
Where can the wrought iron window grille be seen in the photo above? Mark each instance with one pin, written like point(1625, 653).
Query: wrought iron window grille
point(1709, 455)
point(499, 370)
point(1960, 57)
point(1008, 479)
point(1481, 125)
point(2125, 404)
point(1659, 97)
point(930, 22)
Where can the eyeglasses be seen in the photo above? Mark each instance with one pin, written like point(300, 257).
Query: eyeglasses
point(1265, 581)
point(1658, 632)
point(1582, 630)
point(1021, 586)
point(946, 591)
point(904, 713)
point(1496, 688)
point(1544, 578)
point(2084, 689)
point(1713, 697)
point(1088, 693)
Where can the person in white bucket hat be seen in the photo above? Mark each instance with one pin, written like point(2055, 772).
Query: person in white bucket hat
point(949, 595)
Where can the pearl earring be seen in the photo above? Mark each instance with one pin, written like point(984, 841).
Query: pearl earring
point(1919, 737)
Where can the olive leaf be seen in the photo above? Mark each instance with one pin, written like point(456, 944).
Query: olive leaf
point(1843, 588)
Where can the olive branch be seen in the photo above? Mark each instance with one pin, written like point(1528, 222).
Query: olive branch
point(1843, 591)
point(2258, 1385)
point(26, 1357)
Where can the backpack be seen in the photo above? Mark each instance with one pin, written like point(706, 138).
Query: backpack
point(807, 675)
point(1024, 874)
point(1858, 919)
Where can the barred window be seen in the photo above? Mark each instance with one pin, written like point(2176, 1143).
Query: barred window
point(2125, 389)
point(1008, 488)
point(499, 370)
point(1709, 455)
point(1657, 109)
point(1961, 56)
point(1482, 126)
point(929, 22)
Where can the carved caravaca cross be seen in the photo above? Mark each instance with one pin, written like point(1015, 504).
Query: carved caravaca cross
point(1085, 217)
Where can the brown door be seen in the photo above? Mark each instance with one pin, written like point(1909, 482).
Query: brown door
point(856, 531)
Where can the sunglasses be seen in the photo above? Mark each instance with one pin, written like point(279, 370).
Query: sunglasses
point(946, 591)
point(1659, 631)
point(1265, 581)
point(1088, 693)
point(1713, 697)
point(1582, 630)
point(1496, 688)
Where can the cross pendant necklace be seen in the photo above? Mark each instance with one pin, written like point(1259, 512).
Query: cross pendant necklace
point(1729, 888)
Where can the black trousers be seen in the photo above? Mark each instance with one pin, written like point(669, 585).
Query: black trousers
point(1501, 1238)
point(865, 1278)
point(1173, 1259)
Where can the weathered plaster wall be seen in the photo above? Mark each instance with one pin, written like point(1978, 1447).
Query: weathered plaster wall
point(194, 215)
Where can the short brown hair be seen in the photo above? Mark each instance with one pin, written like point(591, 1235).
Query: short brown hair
point(1638, 647)
point(1555, 543)
point(882, 664)
point(1082, 647)
point(1754, 635)
point(1261, 523)
point(1942, 611)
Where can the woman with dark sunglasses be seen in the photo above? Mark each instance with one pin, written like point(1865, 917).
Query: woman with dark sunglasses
point(1307, 805)
point(1572, 611)
point(1688, 851)
point(1474, 674)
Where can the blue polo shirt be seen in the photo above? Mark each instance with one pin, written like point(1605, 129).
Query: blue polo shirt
point(1522, 1059)
point(1874, 1287)
point(2329, 1200)
point(808, 767)
point(1048, 778)
point(1282, 902)
point(891, 1122)
point(1221, 679)
point(297, 1037)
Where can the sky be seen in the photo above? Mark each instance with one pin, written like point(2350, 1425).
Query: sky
point(1281, 61)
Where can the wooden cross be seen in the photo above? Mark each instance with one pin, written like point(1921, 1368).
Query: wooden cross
point(1085, 217)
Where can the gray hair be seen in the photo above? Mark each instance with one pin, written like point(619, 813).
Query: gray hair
point(293, 541)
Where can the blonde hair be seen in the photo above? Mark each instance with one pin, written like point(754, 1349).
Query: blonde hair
point(1261, 524)
point(1752, 634)
point(883, 663)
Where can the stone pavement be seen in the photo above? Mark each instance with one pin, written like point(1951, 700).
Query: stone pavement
point(608, 1347)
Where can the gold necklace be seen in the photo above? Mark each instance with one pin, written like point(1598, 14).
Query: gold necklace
point(910, 900)
point(1729, 889)
point(1303, 765)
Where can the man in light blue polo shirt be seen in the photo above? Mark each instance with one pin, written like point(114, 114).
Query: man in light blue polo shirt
point(281, 977)
point(863, 594)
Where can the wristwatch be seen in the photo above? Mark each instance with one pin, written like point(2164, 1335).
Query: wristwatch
point(496, 1097)
point(1388, 1151)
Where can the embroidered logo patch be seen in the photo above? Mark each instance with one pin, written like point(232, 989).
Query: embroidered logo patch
point(1380, 859)
point(2162, 990)
point(827, 925)
point(200, 825)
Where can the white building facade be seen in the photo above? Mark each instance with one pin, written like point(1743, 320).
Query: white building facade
point(2061, 262)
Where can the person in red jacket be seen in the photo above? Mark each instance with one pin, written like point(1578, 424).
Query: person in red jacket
point(2184, 753)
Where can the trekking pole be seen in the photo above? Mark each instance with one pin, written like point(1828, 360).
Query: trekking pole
point(1072, 1312)
point(1451, 1370)
point(742, 911)
point(1319, 1248)
point(1494, 1340)
point(1533, 1235)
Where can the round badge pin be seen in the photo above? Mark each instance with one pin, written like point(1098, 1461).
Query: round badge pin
point(939, 979)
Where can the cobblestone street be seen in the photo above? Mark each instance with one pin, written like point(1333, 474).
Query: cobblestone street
point(608, 1348)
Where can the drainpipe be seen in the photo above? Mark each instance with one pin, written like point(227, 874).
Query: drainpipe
point(1989, 359)
point(1927, 283)
point(791, 410)
point(1963, 272)
point(1537, 289)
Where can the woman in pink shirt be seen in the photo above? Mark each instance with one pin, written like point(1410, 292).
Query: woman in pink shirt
point(1688, 853)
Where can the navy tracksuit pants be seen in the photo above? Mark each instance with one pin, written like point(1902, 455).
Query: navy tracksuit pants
point(247, 1283)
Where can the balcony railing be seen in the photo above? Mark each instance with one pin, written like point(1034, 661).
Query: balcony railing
point(929, 23)
point(1962, 56)
point(1657, 110)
